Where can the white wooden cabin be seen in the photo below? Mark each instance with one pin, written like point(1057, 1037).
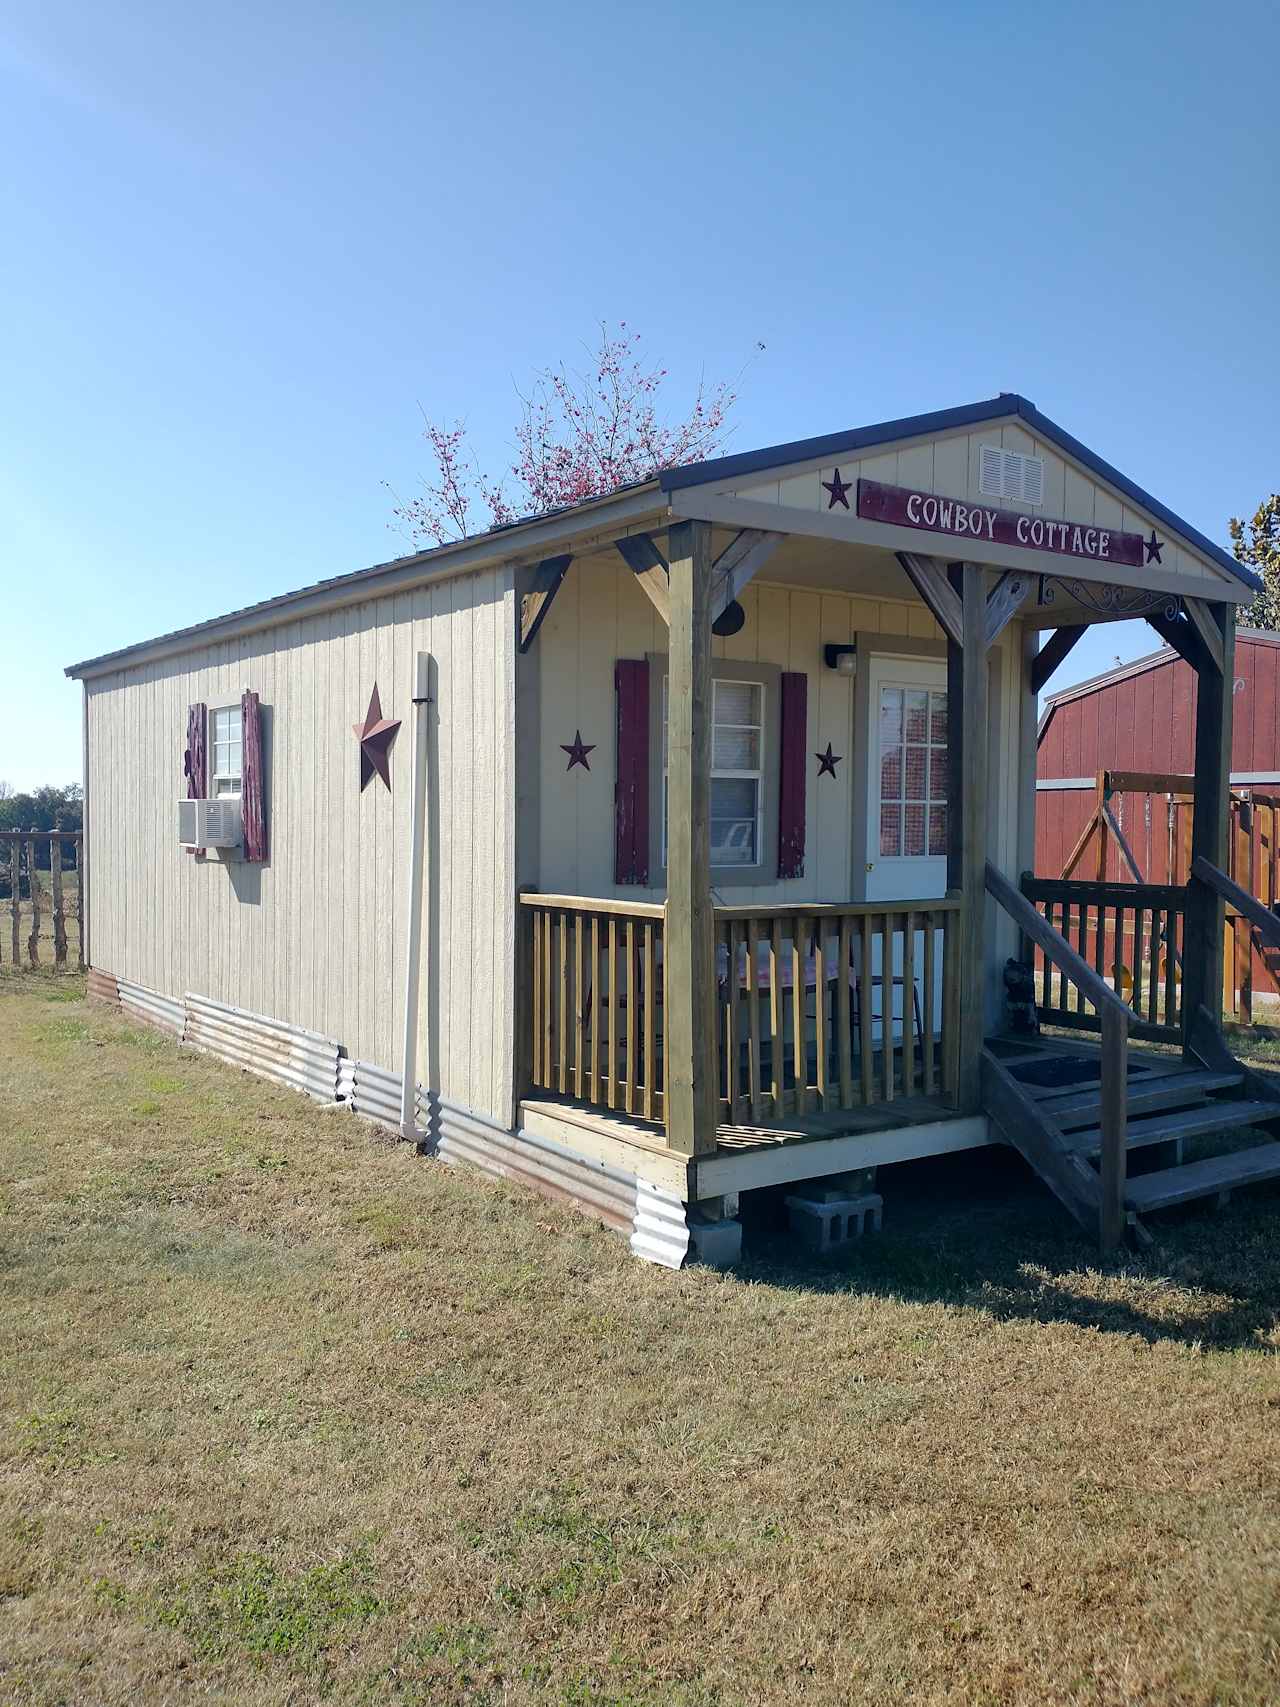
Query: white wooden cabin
point(725, 790)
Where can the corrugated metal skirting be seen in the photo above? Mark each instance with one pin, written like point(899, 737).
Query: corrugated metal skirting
point(375, 1093)
point(102, 987)
point(271, 1047)
point(661, 1230)
point(150, 1006)
point(605, 1192)
point(655, 1221)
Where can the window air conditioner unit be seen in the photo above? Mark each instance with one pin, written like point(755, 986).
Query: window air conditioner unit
point(209, 824)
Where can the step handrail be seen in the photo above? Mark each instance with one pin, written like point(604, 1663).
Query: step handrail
point(1263, 920)
point(1092, 985)
point(1114, 1016)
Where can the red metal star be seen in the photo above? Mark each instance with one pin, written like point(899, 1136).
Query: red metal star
point(375, 735)
point(828, 761)
point(837, 489)
point(577, 751)
point(1154, 548)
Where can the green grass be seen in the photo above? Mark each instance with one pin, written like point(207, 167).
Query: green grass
point(288, 1414)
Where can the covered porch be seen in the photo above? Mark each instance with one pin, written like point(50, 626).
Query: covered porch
point(750, 1042)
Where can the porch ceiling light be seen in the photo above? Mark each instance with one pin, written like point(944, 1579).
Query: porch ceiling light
point(842, 659)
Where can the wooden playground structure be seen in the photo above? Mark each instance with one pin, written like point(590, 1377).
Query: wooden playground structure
point(1140, 833)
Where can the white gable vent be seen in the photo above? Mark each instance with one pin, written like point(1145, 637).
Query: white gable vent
point(1010, 474)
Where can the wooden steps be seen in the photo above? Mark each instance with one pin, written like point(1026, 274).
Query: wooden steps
point(1209, 1178)
point(1179, 1123)
point(1163, 1090)
point(1057, 1125)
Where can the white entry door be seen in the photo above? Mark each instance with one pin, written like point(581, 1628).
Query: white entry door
point(906, 813)
point(907, 780)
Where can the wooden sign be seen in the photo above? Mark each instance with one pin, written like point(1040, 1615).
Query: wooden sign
point(902, 507)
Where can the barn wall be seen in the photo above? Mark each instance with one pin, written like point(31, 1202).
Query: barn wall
point(600, 614)
point(317, 935)
point(1146, 722)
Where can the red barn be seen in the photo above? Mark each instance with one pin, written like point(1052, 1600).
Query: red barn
point(1140, 717)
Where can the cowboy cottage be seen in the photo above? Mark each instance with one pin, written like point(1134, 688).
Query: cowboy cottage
point(672, 846)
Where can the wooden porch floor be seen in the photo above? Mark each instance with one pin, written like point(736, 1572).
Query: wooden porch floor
point(734, 1140)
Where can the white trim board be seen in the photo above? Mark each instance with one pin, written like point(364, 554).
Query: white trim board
point(695, 503)
point(1056, 784)
point(779, 1164)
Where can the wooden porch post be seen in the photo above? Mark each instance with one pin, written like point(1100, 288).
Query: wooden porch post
point(689, 984)
point(1203, 929)
point(967, 825)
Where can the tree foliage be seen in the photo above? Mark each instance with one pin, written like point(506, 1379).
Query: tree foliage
point(1257, 544)
point(48, 808)
point(578, 435)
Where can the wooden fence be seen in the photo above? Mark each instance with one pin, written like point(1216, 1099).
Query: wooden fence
point(1129, 933)
point(45, 898)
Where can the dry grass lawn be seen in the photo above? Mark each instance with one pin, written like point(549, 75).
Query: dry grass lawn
point(288, 1414)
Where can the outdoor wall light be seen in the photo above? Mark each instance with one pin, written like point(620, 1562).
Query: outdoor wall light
point(842, 659)
point(730, 620)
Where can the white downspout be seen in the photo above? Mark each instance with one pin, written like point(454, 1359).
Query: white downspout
point(413, 948)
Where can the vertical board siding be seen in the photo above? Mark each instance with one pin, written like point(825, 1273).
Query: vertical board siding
point(1146, 722)
point(949, 465)
point(315, 935)
point(600, 617)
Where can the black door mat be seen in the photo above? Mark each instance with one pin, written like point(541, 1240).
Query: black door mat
point(1054, 1070)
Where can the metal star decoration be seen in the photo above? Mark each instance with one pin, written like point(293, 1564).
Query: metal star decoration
point(375, 735)
point(837, 489)
point(828, 761)
point(1154, 548)
point(577, 751)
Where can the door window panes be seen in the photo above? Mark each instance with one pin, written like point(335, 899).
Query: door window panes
point(912, 748)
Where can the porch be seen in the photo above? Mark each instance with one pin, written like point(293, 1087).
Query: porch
point(833, 1025)
point(847, 1011)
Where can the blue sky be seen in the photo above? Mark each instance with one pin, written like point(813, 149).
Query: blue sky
point(243, 244)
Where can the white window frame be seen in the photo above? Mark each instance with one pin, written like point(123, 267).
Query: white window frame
point(215, 776)
point(757, 775)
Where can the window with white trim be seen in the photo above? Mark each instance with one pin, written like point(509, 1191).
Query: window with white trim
point(225, 752)
point(737, 773)
point(913, 772)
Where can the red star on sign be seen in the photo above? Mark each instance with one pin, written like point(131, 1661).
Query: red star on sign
point(375, 735)
point(837, 489)
point(828, 761)
point(577, 751)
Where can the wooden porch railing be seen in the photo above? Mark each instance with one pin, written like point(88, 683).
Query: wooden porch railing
point(595, 1001)
point(847, 1004)
point(1130, 933)
point(832, 1007)
point(20, 858)
point(1114, 1021)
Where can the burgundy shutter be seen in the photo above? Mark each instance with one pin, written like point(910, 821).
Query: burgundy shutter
point(194, 760)
point(251, 794)
point(631, 784)
point(793, 770)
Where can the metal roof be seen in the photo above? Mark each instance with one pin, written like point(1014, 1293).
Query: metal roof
point(478, 550)
point(457, 556)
